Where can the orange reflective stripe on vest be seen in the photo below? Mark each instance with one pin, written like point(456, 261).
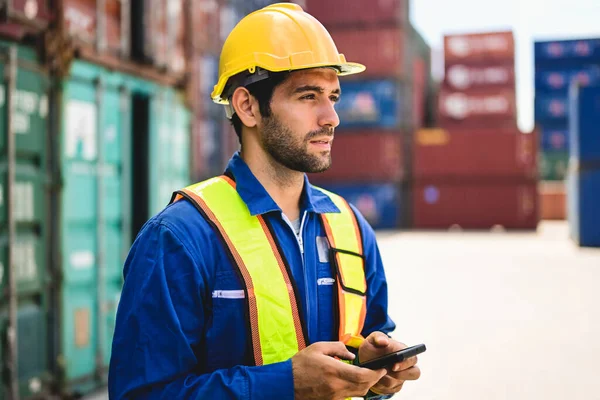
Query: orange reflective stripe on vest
point(271, 296)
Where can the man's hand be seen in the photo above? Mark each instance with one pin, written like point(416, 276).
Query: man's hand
point(378, 344)
point(318, 375)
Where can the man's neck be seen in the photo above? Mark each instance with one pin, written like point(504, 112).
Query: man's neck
point(283, 184)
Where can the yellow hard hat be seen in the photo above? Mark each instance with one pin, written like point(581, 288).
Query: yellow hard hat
point(279, 37)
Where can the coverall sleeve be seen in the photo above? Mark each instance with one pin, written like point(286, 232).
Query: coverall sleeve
point(158, 339)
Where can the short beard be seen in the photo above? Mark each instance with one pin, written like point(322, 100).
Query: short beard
point(279, 142)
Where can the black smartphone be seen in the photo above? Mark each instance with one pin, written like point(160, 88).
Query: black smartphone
point(392, 358)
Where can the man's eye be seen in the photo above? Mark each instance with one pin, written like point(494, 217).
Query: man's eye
point(308, 97)
point(335, 99)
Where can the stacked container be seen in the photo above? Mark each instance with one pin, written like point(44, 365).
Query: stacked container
point(375, 108)
point(88, 154)
point(477, 170)
point(583, 179)
point(557, 64)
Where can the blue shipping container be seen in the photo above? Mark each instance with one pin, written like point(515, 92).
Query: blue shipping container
point(558, 79)
point(555, 138)
point(378, 203)
point(583, 212)
point(581, 50)
point(584, 118)
point(369, 104)
point(552, 108)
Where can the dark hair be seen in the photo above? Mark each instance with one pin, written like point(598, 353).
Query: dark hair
point(263, 92)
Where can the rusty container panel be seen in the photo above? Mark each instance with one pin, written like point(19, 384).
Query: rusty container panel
point(19, 17)
point(479, 48)
point(205, 20)
point(486, 106)
point(167, 33)
point(464, 77)
point(380, 50)
point(441, 205)
point(341, 13)
point(553, 200)
point(106, 31)
point(474, 153)
point(364, 157)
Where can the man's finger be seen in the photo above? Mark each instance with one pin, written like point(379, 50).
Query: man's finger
point(411, 374)
point(379, 339)
point(406, 364)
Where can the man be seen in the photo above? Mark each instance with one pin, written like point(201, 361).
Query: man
point(256, 285)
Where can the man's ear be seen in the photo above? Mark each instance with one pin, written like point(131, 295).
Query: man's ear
point(244, 105)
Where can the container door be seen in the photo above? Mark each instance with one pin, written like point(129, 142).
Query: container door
point(169, 148)
point(24, 89)
point(95, 231)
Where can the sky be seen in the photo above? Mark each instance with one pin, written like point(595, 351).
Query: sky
point(530, 20)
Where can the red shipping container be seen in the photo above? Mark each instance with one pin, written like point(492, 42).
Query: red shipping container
point(490, 105)
point(473, 153)
point(463, 77)
point(364, 157)
point(341, 13)
point(479, 47)
point(420, 78)
point(380, 50)
point(553, 200)
point(81, 20)
point(441, 205)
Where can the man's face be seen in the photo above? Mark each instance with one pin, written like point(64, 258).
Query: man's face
point(299, 132)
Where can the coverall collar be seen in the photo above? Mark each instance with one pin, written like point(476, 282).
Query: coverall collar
point(260, 202)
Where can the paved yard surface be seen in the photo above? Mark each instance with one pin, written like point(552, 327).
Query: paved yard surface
point(504, 315)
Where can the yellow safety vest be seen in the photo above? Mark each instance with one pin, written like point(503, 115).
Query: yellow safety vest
point(275, 324)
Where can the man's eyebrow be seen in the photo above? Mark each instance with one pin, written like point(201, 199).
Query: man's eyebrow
point(312, 88)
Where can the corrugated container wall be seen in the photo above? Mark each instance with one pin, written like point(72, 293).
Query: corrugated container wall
point(482, 48)
point(364, 157)
point(25, 89)
point(20, 18)
point(481, 107)
point(345, 14)
point(475, 154)
point(584, 165)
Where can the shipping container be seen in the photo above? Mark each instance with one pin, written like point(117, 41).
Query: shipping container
point(382, 50)
point(101, 30)
point(584, 120)
point(463, 77)
point(485, 48)
point(553, 201)
point(438, 204)
point(379, 203)
point(205, 75)
point(364, 157)
point(490, 105)
point(373, 104)
point(555, 80)
point(551, 107)
point(557, 51)
point(206, 25)
point(421, 77)
point(554, 139)
point(486, 153)
point(583, 210)
point(24, 224)
point(553, 165)
point(21, 17)
point(350, 15)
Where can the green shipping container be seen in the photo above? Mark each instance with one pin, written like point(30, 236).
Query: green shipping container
point(553, 165)
point(24, 89)
point(125, 145)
